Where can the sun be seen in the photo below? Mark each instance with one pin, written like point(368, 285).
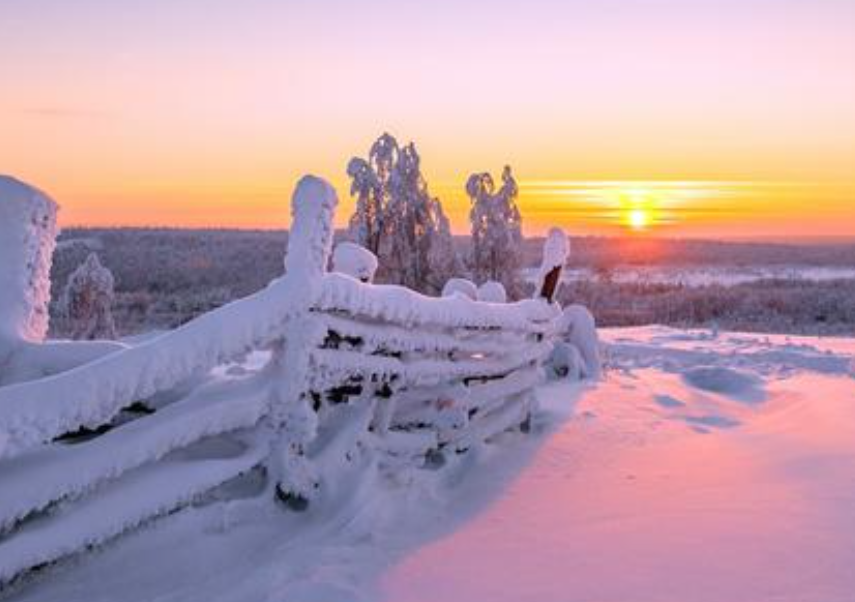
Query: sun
point(638, 218)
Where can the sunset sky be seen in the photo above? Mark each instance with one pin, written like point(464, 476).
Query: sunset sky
point(725, 118)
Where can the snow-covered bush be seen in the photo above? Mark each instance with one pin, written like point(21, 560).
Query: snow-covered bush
point(578, 329)
point(354, 260)
point(460, 286)
point(88, 301)
point(396, 217)
point(496, 229)
point(492, 292)
point(27, 239)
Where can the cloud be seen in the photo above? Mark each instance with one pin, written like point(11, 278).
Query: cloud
point(61, 112)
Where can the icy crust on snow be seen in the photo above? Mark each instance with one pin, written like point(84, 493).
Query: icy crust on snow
point(27, 239)
point(411, 309)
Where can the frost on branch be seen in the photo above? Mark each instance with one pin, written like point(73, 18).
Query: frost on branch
point(88, 301)
point(397, 218)
point(496, 229)
point(27, 240)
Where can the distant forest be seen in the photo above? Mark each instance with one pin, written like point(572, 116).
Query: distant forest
point(165, 277)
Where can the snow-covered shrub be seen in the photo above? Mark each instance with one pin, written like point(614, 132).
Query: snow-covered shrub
point(496, 229)
point(27, 239)
point(354, 260)
point(565, 362)
point(396, 217)
point(492, 292)
point(88, 301)
point(578, 328)
point(460, 286)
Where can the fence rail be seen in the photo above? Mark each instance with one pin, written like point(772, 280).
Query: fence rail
point(351, 364)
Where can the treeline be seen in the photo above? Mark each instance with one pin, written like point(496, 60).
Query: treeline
point(165, 277)
point(774, 306)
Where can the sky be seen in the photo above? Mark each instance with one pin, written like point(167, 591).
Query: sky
point(712, 118)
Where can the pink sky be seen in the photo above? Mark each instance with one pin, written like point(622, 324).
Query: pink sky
point(205, 112)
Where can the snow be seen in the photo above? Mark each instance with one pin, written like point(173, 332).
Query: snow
point(460, 286)
point(354, 260)
point(578, 328)
point(556, 251)
point(435, 461)
point(27, 238)
point(492, 292)
point(661, 482)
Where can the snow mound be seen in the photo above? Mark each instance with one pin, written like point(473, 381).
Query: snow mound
point(460, 286)
point(492, 292)
point(354, 260)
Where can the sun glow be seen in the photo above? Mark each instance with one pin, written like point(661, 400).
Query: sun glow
point(638, 219)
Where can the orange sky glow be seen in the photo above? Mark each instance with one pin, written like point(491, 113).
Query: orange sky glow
point(711, 118)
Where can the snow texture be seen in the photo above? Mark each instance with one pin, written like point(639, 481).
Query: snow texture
point(27, 239)
point(460, 286)
point(578, 329)
point(492, 292)
point(354, 260)
point(556, 251)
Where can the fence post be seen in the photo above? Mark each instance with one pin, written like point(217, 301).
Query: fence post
point(27, 240)
point(556, 249)
point(293, 419)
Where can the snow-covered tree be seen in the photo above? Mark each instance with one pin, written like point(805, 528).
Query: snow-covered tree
point(88, 301)
point(496, 230)
point(398, 220)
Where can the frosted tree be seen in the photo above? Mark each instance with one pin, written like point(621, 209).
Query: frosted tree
point(398, 220)
point(496, 230)
point(88, 301)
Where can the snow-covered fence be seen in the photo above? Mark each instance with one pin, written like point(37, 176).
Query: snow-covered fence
point(353, 366)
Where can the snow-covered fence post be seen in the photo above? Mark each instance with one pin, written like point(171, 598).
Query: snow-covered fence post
point(27, 240)
point(292, 416)
point(556, 249)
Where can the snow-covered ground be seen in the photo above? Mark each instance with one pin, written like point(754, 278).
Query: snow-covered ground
point(704, 467)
